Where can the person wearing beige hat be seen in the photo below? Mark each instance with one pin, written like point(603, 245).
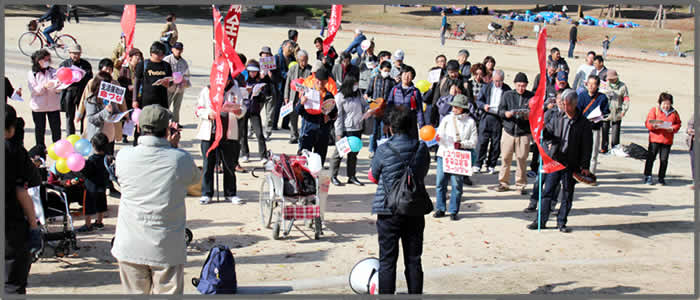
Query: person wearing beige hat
point(70, 97)
point(619, 102)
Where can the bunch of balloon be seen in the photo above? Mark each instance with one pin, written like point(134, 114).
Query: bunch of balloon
point(69, 154)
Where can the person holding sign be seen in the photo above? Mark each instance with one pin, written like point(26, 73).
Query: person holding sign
point(457, 131)
point(97, 112)
point(301, 70)
point(663, 122)
point(315, 128)
point(105, 65)
point(351, 107)
point(271, 76)
point(259, 93)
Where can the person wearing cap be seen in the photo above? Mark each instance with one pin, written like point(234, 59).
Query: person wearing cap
point(619, 102)
point(457, 131)
point(355, 45)
point(169, 33)
point(351, 107)
point(329, 58)
point(405, 94)
point(491, 124)
point(516, 136)
point(588, 101)
point(397, 66)
point(70, 96)
point(562, 81)
point(176, 91)
point(316, 128)
point(228, 149)
point(330, 84)
point(301, 70)
point(465, 66)
point(254, 105)
point(272, 107)
point(567, 139)
point(345, 68)
point(559, 62)
point(154, 177)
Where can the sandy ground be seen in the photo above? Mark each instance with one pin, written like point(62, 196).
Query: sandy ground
point(628, 237)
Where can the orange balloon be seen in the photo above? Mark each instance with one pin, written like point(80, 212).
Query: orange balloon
point(427, 133)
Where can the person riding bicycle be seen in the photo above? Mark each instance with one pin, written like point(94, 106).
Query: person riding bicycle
point(57, 16)
point(509, 29)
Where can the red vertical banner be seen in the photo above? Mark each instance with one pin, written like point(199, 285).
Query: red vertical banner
point(536, 115)
point(128, 24)
point(223, 46)
point(232, 23)
point(333, 26)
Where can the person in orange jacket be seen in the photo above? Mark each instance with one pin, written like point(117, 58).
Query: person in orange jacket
point(663, 122)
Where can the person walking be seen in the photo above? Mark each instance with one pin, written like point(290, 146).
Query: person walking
point(57, 17)
point(388, 164)
point(619, 102)
point(176, 91)
point(351, 107)
point(169, 33)
point(45, 101)
point(457, 131)
point(568, 138)
point(589, 101)
point(491, 124)
point(72, 10)
point(301, 70)
point(516, 137)
point(573, 38)
point(443, 28)
point(70, 96)
point(663, 122)
point(676, 43)
point(324, 23)
point(606, 46)
point(154, 177)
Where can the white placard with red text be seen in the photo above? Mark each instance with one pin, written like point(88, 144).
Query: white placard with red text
point(343, 147)
point(267, 63)
point(457, 162)
point(111, 92)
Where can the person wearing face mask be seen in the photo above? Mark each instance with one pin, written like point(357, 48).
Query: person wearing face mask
point(351, 107)
point(70, 96)
point(588, 101)
point(345, 68)
point(456, 131)
point(379, 87)
point(491, 124)
point(45, 101)
point(619, 101)
point(663, 122)
point(254, 105)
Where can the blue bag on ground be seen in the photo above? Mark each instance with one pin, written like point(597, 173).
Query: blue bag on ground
point(218, 274)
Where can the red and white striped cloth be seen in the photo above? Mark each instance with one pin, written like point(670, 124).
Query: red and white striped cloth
point(301, 212)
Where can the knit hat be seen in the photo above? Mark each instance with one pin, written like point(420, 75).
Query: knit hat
point(266, 49)
point(460, 101)
point(563, 76)
point(520, 77)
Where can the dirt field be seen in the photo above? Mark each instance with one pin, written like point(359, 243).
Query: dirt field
point(627, 237)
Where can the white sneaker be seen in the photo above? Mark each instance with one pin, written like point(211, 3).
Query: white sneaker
point(235, 200)
point(264, 161)
point(476, 170)
point(204, 200)
point(244, 159)
point(492, 170)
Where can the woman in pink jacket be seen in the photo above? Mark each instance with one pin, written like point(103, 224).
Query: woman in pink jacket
point(663, 122)
point(45, 98)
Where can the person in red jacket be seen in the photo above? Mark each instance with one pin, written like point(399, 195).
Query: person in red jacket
point(663, 122)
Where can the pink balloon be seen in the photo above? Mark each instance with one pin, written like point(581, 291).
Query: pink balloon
point(63, 148)
point(177, 77)
point(75, 162)
point(135, 115)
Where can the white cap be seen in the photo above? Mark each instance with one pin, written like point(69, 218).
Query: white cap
point(358, 31)
point(398, 55)
point(365, 45)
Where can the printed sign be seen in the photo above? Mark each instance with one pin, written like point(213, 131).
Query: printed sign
point(314, 100)
point(286, 109)
point(267, 63)
point(343, 147)
point(111, 92)
point(457, 162)
point(434, 76)
point(128, 128)
point(117, 117)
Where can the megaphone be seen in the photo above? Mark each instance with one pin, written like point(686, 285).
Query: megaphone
point(364, 277)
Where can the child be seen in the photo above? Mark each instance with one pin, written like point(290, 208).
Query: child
point(456, 131)
point(660, 136)
point(606, 46)
point(677, 44)
point(96, 178)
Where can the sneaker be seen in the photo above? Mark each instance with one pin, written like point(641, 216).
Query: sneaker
point(531, 174)
point(204, 200)
point(662, 181)
point(530, 209)
point(492, 170)
point(476, 170)
point(84, 228)
point(454, 217)
point(98, 226)
point(603, 151)
point(235, 200)
point(438, 214)
point(244, 158)
point(499, 188)
point(648, 180)
point(293, 141)
point(251, 134)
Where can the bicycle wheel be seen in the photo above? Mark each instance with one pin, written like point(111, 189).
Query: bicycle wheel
point(267, 195)
point(29, 42)
point(490, 38)
point(63, 43)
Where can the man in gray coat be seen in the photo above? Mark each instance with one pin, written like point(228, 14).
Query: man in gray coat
point(301, 70)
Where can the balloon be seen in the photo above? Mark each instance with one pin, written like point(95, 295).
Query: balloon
point(355, 143)
point(52, 152)
point(65, 75)
point(177, 77)
point(83, 147)
point(423, 85)
point(63, 148)
point(73, 138)
point(291, 64)
point(427, 133)
point(135, 115)
point(62, 166)
point(75, 162)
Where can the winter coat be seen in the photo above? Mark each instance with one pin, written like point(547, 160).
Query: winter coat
point(662, 136)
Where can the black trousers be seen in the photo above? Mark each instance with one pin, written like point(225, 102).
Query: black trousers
point(535, 197)
point(314, 139)
point(71, 97)
point(17, 258)
point(657, 149)
point(54, 118)
point(567, 188)
point(535, 162)
point(227, 153)
point(352, 157)
point(256, 123)
point(489, 144)
point(606, 134)
point(410, 230)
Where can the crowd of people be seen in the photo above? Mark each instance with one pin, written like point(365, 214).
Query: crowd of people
point(470, 105)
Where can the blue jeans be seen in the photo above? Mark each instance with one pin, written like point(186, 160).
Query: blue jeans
point(571, 49)
point(376, 135)
point(323, 29)
point(47, 32)
point(456, 181)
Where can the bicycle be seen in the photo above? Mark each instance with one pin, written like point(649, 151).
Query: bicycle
point(34, 40)
point(498, 35)
point(461, 33)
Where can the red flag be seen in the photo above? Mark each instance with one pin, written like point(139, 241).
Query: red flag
point(536, 115)
point(333, 25)
point(231, 24)
point(128, 24)
point(223, 46)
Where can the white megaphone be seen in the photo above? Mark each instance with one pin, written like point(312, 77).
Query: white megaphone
point(364, 277)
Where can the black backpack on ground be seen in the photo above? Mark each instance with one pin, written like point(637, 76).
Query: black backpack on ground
point(636, 151)
point(407, 195)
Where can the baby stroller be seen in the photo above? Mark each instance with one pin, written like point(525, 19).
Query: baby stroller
point(290, 192)
point(109, 165)
point(51, 204)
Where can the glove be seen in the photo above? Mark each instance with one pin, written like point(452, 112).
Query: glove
point(34, 240)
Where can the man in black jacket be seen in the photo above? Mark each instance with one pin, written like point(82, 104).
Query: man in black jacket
point(345, 68)
point(56, 15)
point(491, 124)
point(573, 38)
point(516, 137)
point(568, 139)
point(70, 96)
